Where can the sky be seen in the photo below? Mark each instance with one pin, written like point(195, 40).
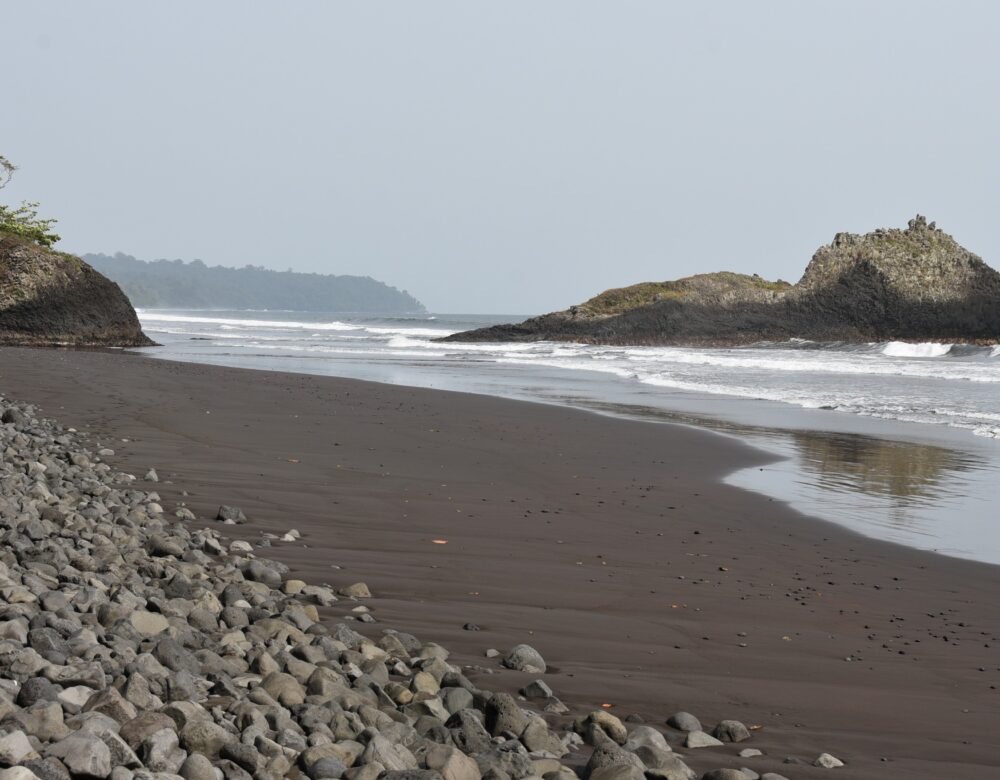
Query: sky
point(505, 157)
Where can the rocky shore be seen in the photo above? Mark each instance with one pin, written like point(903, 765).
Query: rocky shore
point(136, 641)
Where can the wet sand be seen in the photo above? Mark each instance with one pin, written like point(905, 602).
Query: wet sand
point(610, 545)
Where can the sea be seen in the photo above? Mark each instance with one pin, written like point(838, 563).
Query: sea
point(898, 441)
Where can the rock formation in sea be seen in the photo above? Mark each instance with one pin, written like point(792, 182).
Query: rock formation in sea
point(53, 298)
point(916, 284)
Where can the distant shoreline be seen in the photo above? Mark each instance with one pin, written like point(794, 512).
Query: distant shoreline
point(195, 285)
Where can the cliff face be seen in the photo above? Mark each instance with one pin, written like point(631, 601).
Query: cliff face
point(52, 298)
point(916, 284)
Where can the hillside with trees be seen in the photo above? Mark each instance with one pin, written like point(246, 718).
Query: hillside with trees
point(195, 285)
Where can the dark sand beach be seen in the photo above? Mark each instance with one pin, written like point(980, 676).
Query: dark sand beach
point(610, 545)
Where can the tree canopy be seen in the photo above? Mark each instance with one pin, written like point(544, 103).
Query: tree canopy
point(23, 220)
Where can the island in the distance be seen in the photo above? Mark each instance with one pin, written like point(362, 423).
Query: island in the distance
point(916, 284)
point(195, 285)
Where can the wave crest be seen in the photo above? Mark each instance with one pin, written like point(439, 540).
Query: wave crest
point(925, 350)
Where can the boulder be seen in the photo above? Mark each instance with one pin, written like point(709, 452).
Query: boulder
point(827, 761)
point(53, 298)
point(608, 754)
point(231, 514)
point(451, 763)
point(203, 736)
point(161, 751)
point(684, 721)
point(83, 755)
point(731, 731)
point(197, 767)
point(699, 739)
point(525, 658)
point(284, 688)
point(358, 590)
point(646, 736)
point(503, 713)
point(148, 623)
point(15, 748)
point(609, 724)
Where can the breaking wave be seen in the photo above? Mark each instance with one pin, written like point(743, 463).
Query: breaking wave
point(926, 350)
point(928, 383)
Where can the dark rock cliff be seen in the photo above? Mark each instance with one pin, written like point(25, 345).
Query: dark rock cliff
point(53, 298)
point(916, 284)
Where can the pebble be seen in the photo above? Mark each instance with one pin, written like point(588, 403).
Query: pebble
point(827, 761)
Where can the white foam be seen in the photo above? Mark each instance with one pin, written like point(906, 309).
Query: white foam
point(458, 347)
point(227, 322)
point(818, 361)
point(428, 332)
point(925, 350)
point(319, 349)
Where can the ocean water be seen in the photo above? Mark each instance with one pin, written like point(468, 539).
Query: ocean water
point(895, 440)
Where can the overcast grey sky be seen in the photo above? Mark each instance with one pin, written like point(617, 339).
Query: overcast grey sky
point(507, 156)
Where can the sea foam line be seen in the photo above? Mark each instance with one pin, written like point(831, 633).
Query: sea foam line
point(267, 324)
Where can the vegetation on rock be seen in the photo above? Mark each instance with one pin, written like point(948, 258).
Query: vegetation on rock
point(623, 299)
point(23, 220)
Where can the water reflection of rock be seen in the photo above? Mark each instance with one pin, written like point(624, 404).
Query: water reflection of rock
point(905, 472)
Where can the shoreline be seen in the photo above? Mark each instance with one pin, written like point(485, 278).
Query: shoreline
point(907, 471)
point(914, 483)
point(582, 487)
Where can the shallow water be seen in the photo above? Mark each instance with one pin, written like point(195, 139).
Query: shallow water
point(897, 441)
point(921, 494)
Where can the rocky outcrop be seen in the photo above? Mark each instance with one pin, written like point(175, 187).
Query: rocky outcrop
point(916, 284)
point(53, 298)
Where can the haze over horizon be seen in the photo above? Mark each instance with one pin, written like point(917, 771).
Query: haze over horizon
point(502, 158)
